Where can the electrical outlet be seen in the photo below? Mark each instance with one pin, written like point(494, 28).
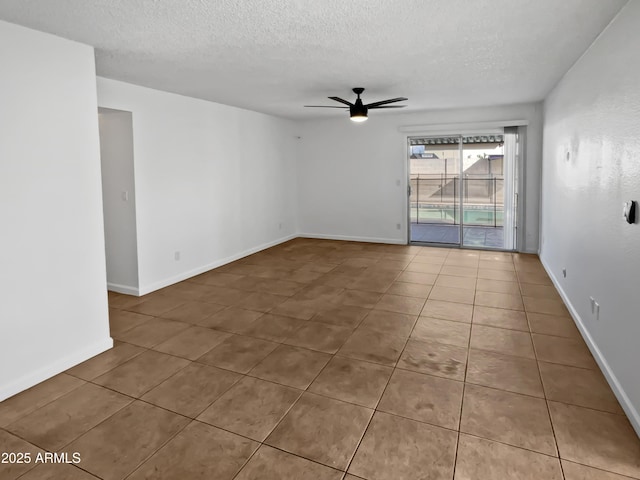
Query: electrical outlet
point(176, 256)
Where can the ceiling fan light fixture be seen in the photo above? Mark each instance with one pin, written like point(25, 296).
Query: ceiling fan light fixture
point(358, 112)
point(358, 117)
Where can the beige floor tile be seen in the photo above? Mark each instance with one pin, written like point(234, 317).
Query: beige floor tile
point(214, 277)
point(193, 312)
point(137, 376)
point(272, 464)
point(438, 252)
point(539, 291)
point(501, 318)
point(471, 272)
point(231, 319)
point(192, 343)
point(498, 286)
point(424, 398)
point(238, 353)
point(156, 304)
point(501, 340)
point(504, 372)
point(553, 325)
point(275, 328)
point(483, 459)
point(390, 323)
point(535, 277)
point(373, 346)
point(66, 418)
point(199, 452)
point(318, 292)
point(499, 300)
point(597, 439)
point(400, 304)
point(192, 389)
point(279, 287)
point(121, 320)
point(261, 301)
point(573, 471)
point(152, 332)
point(545, 305)
point(251, 408)
point(450, 294)
point(433, 358)
point(424, 268)
point(335, 279)
point(457, 312)
point(48, 471)
point(291, 366)
point(455, 261)
point(319, 336)
point(100, 364)
point(185, 291)
point(511, 418)
point(300, 309)
point(497, 265)
point(578, 386)
point(493, 274)
point(409, 289)
point(373, 283)
point(352, 381)
point(322, 429)
point(420, 278)
point(565, 351)
point(28, 401)
point(451, 281)
point(224, 296)
point(117, 446)
point(358, 298)
point(442, 331)
point(9, 443)
point(121, 301)
point(402, 449)
point(342, 316)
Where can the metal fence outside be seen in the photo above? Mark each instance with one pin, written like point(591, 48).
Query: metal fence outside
point(435, 198)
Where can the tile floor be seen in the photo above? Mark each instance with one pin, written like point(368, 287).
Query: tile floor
point(334, 360)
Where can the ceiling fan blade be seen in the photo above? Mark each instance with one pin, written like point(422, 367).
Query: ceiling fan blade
point(338, 99)
point(387, 106)
point(383, 102)
point(325, 106)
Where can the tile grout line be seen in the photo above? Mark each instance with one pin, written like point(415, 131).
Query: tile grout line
point(544, 392)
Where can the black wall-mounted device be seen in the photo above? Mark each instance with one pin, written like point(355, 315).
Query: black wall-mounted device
point(630, 211)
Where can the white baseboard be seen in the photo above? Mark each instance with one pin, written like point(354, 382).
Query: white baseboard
point(127, 290)
point(52, 369)
point(621, 395)
point(143, 290)
point(394, 241)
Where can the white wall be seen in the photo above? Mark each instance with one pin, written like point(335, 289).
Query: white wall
point(213, 182)
point(593, 114)
point(53, 300)
point(119, 200)
point(349, 173)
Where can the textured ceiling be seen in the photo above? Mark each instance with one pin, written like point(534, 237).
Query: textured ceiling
point(274, 56)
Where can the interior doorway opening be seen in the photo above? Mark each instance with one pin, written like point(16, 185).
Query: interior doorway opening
point(462, 190)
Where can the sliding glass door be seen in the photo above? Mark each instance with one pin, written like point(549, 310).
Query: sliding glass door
point(462, 190)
